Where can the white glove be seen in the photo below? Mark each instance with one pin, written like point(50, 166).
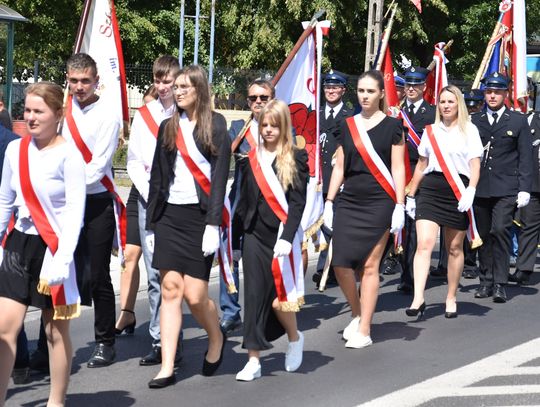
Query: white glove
point(59, 271)
point(282, 248)
point(523, 199)
point(150, 240)
point(398, 218)
point(1, 254)
point(467, 199)
point(328, 214)
point(210, 240)
point(410, 206)
point(237, 255)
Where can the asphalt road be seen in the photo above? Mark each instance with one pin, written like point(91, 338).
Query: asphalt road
point(489, 355)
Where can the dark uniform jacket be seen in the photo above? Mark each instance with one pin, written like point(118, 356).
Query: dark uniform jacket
point(506, 167)
point(534, 118)
point(162, 174)
point(423, 116)
point(329, 133)
point(252, 206)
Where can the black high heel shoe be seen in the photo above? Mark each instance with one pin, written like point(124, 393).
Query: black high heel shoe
point(412, 312)
point(162, 382)
point(208, 369)
point(450, 314)
point(128, 329)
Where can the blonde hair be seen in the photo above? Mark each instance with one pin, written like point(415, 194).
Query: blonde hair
point(277, 113)
point(462, 113)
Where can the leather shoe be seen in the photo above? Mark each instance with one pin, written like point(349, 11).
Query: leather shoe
point(102, 356)
point(469, 274)
point(499, 294)
point(520, 277)
point(230, 325)
point(390, 266)
point(154, 356)
point(405, 287)
point(39, 361)
point(438, 272)
point(162, 382)
point(483, 292)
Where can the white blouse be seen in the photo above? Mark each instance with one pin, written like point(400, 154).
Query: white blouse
point(461, 149)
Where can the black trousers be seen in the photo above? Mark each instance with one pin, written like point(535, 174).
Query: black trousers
point(493, 220)
point(529, 235)
point(407, 258)
point(92, 259)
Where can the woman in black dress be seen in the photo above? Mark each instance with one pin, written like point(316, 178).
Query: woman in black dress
point(185, 212)
point(367, 207)
point(436, 204)
point(276, 169)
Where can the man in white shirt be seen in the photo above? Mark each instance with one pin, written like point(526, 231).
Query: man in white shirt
point(98, 132)
point(142, 143)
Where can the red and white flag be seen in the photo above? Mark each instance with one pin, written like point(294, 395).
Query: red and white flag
point(99, 37)
point(437, 78)
point(299, 88)
point(418, 4)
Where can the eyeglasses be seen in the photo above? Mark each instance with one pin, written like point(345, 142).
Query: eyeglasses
point(253, 98)
point(182, 89)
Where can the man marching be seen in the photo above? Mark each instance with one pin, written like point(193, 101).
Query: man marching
point(505, 180)
point(90, 125)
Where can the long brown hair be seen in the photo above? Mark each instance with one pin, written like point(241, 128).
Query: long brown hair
point(203, 110)
point(277, 113)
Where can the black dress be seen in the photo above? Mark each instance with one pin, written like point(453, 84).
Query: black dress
point(261, 228)
point(363, 210)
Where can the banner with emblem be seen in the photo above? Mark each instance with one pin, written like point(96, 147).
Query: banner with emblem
point(298, 86)
point(437, 79)
point(99, 36)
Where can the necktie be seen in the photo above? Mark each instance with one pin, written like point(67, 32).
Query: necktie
point(411, 111)
point(494, 115)
point(331, 115)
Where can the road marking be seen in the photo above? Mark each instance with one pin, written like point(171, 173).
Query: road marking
point(460, 382)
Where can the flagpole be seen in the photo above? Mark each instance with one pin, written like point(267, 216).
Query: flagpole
point(487, 54)
point(445, 49)
point(82, 25)
point(386, 38)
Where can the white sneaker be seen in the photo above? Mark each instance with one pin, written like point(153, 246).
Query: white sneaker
point(293, 357)
point(251, 371)
point(357, 341)
point(351, 328)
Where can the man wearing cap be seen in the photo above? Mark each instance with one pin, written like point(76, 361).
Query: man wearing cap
point(400, 87)
point(505, 182)
point(474, 100)
point(332, 115)
point(419, 114)
point(530, 214)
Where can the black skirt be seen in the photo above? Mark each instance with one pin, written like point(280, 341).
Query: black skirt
point(178, 241)
point(132, 214)
point(20, 269)
point(435, 201)
point(261, 325)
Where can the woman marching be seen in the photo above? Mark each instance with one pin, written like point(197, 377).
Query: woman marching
point(272, 199)
point(370, 165)
point(43, 181)
point(444, 184)
point(185, 209)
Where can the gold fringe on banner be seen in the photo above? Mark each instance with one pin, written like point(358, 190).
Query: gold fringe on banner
point(65, 312)
point(476, 243)
point(43, 287)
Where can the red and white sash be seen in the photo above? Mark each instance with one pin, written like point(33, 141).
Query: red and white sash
point(149, 120)
point(287, 270)
point(413, 137)
point(452, 177)
point(200, 169)
point(373, 161)
point(65, 297)
point(253, 142)
point(120, 208)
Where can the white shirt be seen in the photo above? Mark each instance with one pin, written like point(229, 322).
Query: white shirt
point(416, 105)
point(461, 150)
point(490, 114)
point(182, 190)
point(58, 170)
point(99, 129)
point(142, 145)
point(336, 108)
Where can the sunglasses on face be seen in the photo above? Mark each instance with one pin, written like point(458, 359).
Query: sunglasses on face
point(253, 98)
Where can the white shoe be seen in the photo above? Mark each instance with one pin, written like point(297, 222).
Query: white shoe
point(293, 357)
point(357, 341)
point(251, 371)
point(351, 328)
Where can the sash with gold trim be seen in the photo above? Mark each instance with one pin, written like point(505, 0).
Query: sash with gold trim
point(119, 207)
point(200, 169)
point(287, 270)
point(65, 297)
point(452, 177)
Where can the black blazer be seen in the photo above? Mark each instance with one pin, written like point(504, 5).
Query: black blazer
point(162, 174)
point(422, 117)
point(507, 165)
point(252, 204)
point(535, 139)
